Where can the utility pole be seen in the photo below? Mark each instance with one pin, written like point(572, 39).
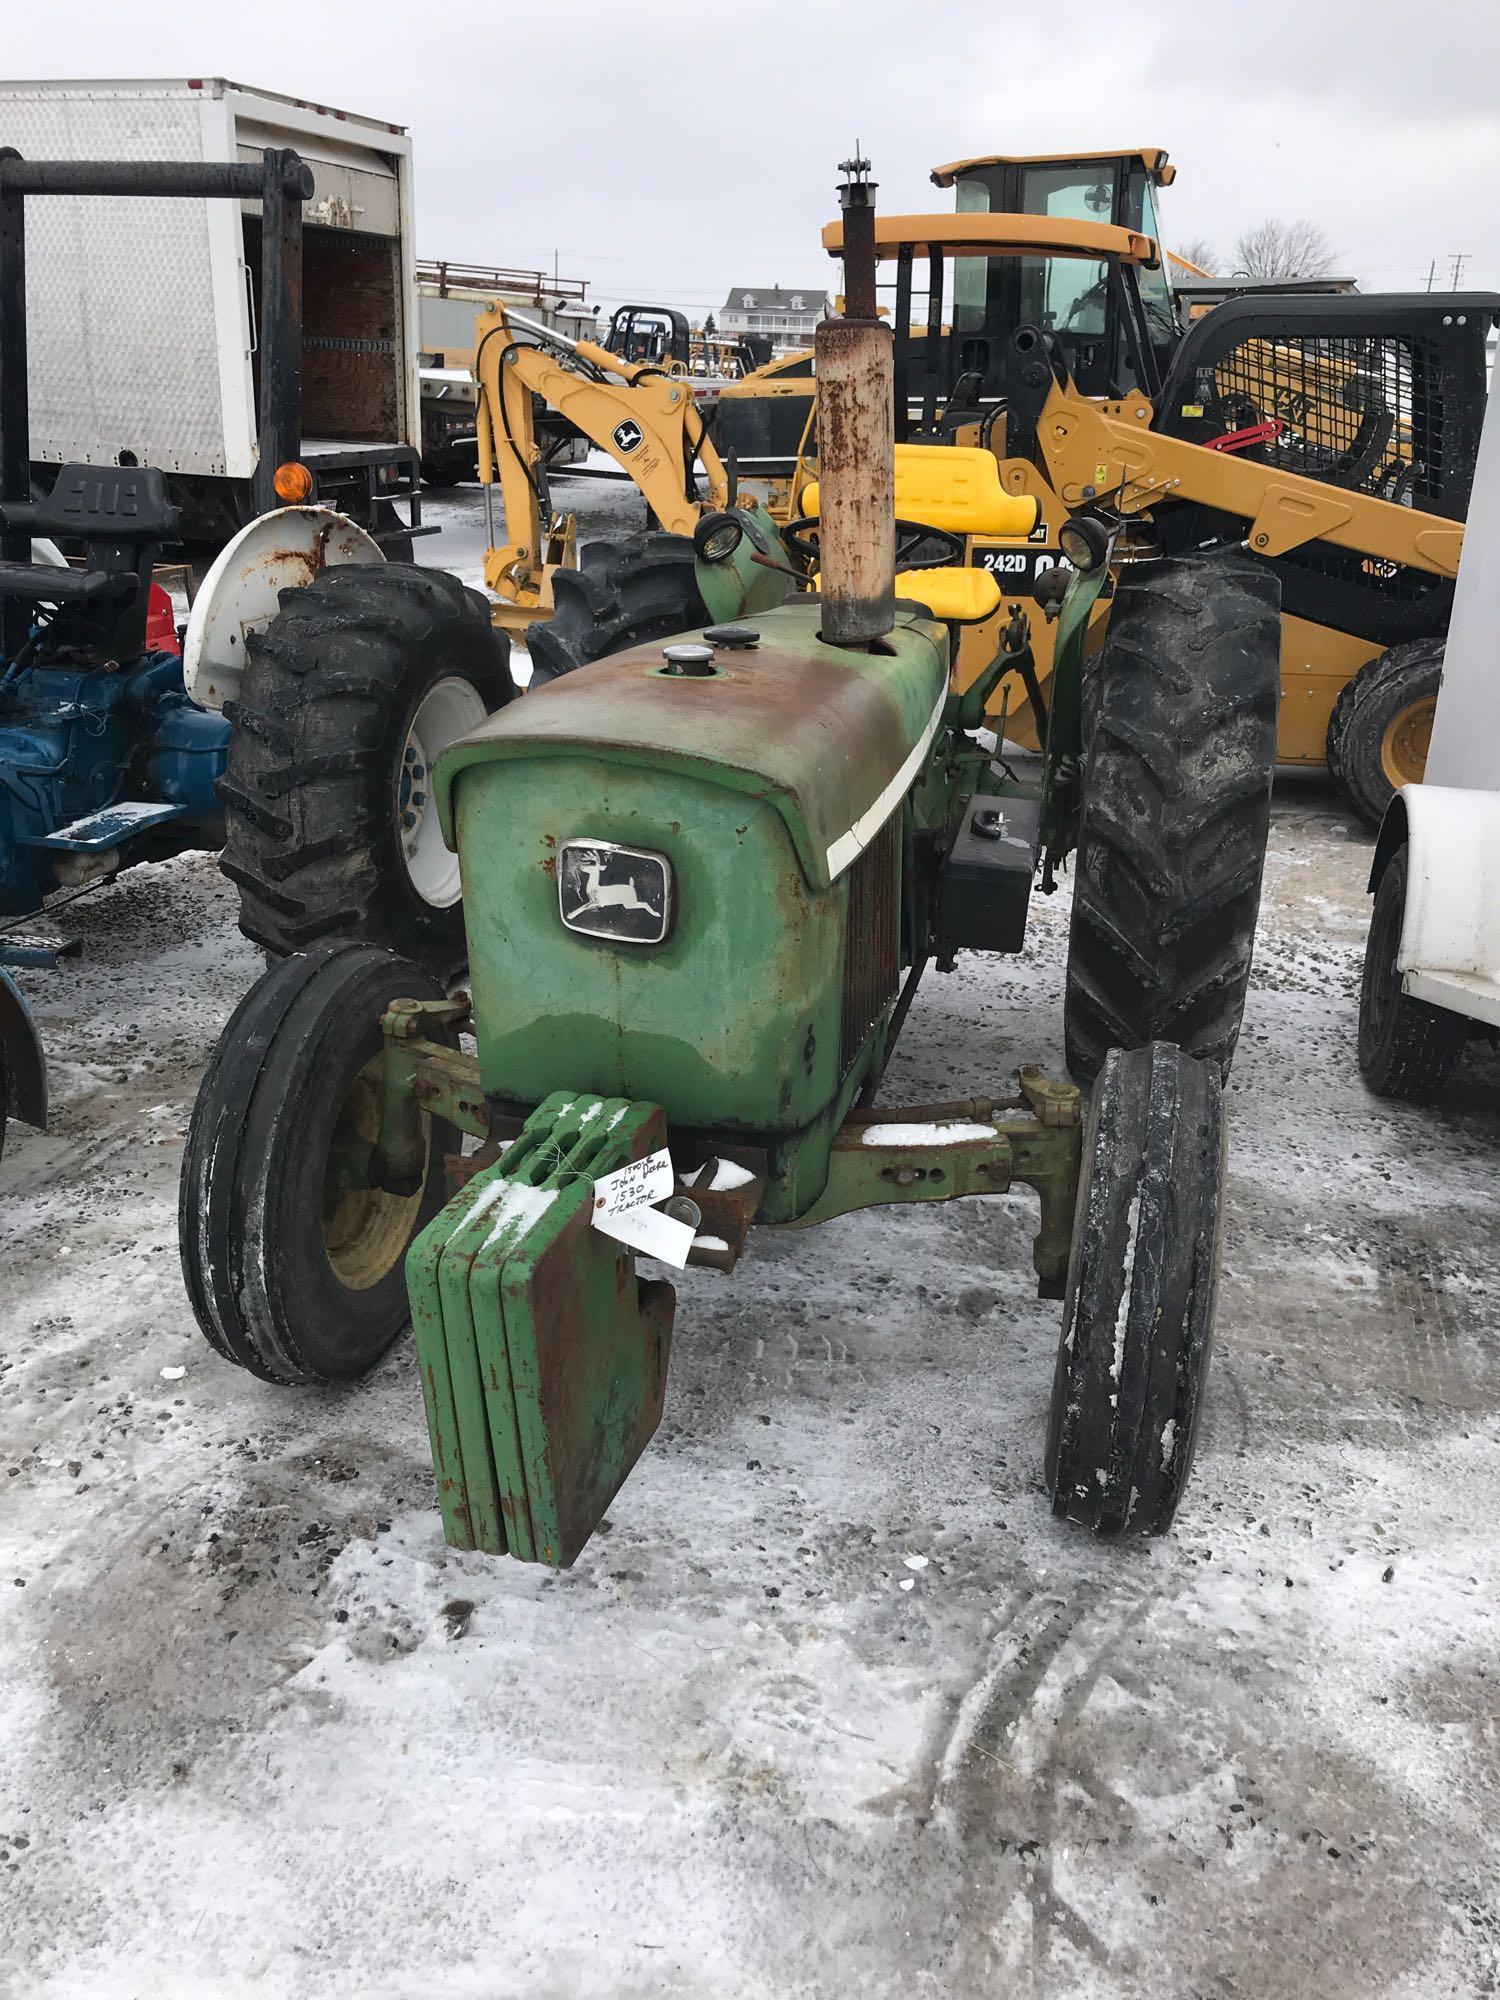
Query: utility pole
point(1457, 259)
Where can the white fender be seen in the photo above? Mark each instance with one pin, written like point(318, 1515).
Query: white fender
point(1450, 934)
point(241, 593)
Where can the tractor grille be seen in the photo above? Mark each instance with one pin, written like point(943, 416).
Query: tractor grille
point(871, 939)
point(1365, 413)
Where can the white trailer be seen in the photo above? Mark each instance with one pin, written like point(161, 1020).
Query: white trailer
point(1432, 962)
point(143, 313)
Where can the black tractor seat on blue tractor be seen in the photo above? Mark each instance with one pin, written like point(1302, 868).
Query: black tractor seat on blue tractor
point(122, 514)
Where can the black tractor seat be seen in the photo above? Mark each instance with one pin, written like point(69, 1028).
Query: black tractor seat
point(122, 516)
point(104, 503)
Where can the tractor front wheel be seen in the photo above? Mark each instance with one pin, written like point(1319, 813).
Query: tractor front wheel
point(294, 1258)
point(1138, 1320)
point(621, 594)
point(348, 695)
point(1381, 726)
point(1179, 751)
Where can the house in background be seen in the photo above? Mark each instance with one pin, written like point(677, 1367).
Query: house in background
point(786, 317)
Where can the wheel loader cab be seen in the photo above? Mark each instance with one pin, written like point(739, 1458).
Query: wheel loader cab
point(954, 357)
point(1080, 305)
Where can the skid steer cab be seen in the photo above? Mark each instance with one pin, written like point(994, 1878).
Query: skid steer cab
point(701, 879)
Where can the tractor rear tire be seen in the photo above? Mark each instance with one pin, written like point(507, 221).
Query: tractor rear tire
point(621, 594)
point(1407, 1048)
point(348, 694)
point(296, 1269)
point(1179, 753)
point(1380, 725)
point(1142, 1278)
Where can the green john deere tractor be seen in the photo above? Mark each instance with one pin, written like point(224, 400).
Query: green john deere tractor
point(693, 876)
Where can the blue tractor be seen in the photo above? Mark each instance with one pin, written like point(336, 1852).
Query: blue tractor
point(103, 758)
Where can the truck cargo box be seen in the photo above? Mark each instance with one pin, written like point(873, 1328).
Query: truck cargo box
point(144, 313)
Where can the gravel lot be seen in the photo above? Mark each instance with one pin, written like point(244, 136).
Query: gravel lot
point(835, 1707)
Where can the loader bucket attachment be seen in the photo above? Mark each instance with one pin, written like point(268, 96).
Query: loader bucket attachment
point(543, 1356)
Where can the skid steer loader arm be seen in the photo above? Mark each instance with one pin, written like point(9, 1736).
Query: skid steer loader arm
point(1108, 448)
point(643, 417)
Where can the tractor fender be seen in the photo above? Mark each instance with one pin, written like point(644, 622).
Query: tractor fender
point(242, 591)
point(21, 1050)
point(1452, 917)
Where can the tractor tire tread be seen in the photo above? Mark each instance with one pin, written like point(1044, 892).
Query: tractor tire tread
point(1180, 747)
point(1142, 1277)
point(310, 786)
point(622, 594)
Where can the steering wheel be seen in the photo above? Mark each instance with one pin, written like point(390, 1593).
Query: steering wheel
point(801, 536)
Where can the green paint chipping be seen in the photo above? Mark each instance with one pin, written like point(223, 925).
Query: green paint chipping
point(543, 1356)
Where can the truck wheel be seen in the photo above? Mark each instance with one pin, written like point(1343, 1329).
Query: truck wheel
point(1142, 1275)
point(1407, 1048)
point(294, 1262)
point(347, 697)
point(621, 594)
point(1179, 751)
point(1381, 725)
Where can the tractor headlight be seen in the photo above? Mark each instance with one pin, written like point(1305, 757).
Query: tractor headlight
point(717, 536)
point(620, 893)
point(1086, 542)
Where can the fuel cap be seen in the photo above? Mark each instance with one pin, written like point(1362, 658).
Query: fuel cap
point(735, 637)
point(691, 659)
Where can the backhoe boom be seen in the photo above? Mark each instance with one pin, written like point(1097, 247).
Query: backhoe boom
point(645, 419)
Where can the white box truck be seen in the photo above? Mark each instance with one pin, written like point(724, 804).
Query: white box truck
point(144, 324)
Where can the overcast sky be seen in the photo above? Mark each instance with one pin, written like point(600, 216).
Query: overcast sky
point(665, 150)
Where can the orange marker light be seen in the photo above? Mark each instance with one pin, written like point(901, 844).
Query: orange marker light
point(293, 483)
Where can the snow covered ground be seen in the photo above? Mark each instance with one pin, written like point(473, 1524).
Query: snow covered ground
point(834, 1707)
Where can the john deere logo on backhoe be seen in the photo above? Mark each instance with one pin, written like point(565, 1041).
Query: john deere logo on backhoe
point(627, 435)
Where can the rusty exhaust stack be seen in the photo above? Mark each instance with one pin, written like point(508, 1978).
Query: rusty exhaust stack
point(856, 438)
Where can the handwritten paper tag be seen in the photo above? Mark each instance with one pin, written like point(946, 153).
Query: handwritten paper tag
point(635, 1185)
point(624, 1209)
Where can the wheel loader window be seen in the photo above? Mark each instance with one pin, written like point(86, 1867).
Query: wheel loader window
point(1155, 286)
point(1065, 295)
point(971, 285)
point(1084, 193)
point(1062, 293)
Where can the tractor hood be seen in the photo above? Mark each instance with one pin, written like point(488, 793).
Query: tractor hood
point(830, 738)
